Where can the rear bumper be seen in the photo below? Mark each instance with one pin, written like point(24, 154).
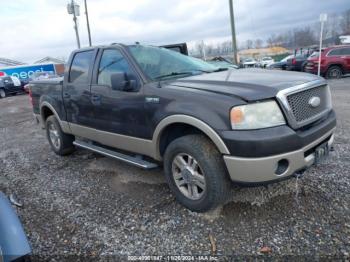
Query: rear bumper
point(264, 169)
point(313, 69)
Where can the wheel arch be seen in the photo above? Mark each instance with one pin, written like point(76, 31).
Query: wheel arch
point(176, 122)
point(46, 110)
point(341, 66)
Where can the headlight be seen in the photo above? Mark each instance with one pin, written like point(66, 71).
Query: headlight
point(257, 115)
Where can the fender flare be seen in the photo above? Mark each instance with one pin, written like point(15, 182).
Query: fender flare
point(195, 122)
point(64, 125)
point(47, 104)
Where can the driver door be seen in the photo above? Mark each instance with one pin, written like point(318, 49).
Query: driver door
point(116, 110)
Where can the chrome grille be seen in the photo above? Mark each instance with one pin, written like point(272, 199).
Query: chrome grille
point(299, 103)
point(295, 102)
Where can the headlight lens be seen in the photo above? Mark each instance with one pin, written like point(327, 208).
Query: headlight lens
point(257, 115)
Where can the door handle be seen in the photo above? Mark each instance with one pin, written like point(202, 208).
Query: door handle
point(95, 97)
point(66, 95)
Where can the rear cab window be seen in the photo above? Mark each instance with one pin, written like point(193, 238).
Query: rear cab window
point(79, 70)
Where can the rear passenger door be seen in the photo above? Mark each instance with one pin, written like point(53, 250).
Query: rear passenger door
point(117, 110)
point(76, 90)
point(345, 55)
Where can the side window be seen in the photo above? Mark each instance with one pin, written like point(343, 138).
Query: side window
point(112, 61)
point(335, 52)
point(79, 70)
point(346, 51)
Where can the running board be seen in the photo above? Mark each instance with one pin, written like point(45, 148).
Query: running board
point(136, 161)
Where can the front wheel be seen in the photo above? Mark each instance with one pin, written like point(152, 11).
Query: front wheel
point(61, 143)
point(2, 93)
point(334, 72)
point(196, 173)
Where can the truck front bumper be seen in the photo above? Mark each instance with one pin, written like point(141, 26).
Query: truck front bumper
point(248, 170)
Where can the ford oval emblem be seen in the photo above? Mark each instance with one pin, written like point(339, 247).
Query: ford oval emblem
point(314, 101)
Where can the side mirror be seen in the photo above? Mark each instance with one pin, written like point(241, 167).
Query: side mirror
point(120, 81)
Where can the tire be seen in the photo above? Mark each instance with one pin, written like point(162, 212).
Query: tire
point(303, 68)
point(2, 93)
point(198, 152)
point(61, 143)
point(334, 72)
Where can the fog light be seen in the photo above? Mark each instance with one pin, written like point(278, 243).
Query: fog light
point(282, 166)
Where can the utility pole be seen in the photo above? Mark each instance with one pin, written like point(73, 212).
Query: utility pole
point(203, 51)
point(323, 19)
point(73, 9)
point(233, 30)
point(87, 22)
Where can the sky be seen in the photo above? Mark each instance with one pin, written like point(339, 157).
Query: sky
point(33, 29)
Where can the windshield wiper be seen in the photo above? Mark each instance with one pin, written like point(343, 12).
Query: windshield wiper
point(174, 74)
point(189, 72)
point(220, 69)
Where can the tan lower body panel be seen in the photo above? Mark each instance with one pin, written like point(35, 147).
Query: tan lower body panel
point(132, 144)
point(263, 169)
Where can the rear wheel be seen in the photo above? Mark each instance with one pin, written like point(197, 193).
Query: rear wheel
point(334, 72)
point(2, 93)
point(196, 173)
point(61, 143)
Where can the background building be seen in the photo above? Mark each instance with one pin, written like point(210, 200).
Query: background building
point(9, 62)
point(24, 71)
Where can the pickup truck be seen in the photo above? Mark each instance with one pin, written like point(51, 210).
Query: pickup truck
point(207, 126)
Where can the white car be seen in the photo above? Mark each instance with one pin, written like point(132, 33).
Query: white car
point(249, 62)
point(266, 61)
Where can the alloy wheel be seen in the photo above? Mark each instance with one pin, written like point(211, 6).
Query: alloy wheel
point(188, 176)
point(54, 136)
point(335, 73)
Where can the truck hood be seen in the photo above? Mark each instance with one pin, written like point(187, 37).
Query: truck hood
point(248, 84)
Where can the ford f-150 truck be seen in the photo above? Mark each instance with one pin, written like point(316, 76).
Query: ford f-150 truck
point(207, 126)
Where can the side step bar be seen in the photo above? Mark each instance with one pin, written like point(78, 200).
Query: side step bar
point(110, 153)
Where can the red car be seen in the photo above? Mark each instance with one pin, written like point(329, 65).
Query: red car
point(335, 61)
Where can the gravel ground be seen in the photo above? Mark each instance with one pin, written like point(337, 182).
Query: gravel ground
point(99, 208)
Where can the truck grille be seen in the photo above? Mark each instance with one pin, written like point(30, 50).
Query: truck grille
point(297, 106)
point(299, 103)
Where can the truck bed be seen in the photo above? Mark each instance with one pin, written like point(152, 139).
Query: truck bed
point(47, 89)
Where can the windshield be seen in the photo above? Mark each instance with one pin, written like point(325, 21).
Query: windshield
point(286, 58)
point(316, 53)
point(266, 58)
point(158, 62)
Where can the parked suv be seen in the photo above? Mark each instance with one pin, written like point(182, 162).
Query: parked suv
point(9, 85)
point(335, 62)
point(206, 126)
